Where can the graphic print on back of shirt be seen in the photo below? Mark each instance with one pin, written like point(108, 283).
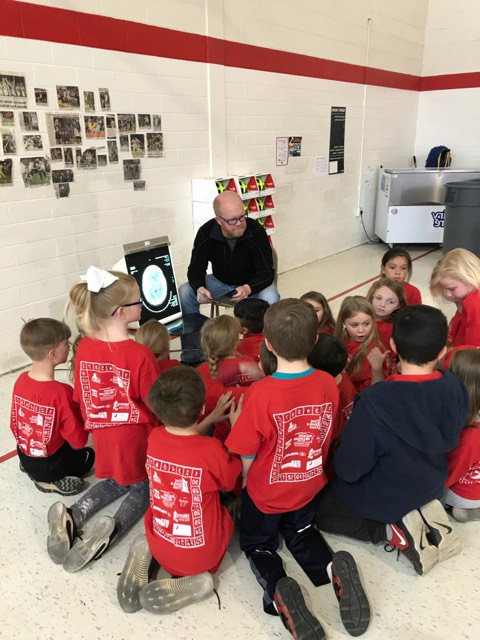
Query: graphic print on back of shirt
point(105, 391)
point(176, 501)
point(301, 434)
point(472, 476)
point(33, 424)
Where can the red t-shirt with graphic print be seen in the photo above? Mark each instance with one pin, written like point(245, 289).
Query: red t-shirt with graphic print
point(286, 423)
point(44, 417)
point(464, 464)
point(347, 396)
point(112, 380)
point(464, 327)
point(188, 530)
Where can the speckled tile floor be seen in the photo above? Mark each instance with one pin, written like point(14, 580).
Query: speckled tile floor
point(39, 601)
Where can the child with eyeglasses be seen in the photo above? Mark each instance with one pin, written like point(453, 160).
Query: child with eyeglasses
point(113, 375)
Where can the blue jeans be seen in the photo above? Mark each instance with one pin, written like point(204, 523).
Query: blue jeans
point(190, 304)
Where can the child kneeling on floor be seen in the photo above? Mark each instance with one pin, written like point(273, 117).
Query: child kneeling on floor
point(282, 434)
point(391, 464)
point(187, 529)
point(46, 422)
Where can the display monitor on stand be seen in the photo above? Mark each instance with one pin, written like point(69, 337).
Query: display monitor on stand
point(150, 263)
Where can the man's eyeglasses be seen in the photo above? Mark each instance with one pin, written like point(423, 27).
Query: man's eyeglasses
point(233, 221)
point(129, 304)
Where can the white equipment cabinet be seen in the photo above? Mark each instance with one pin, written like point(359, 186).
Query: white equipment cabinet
point(410, 205)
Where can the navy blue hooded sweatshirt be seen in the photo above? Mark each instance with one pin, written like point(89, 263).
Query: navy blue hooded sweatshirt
point(392, 453)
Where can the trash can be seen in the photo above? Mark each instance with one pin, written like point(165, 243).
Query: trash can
point(462, 216)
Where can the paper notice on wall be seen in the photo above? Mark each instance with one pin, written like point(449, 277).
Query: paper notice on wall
point(320, 167)
point(13, 90)
point(282, 151)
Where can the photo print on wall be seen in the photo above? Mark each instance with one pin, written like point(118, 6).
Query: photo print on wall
point(131, 169)
point(9, 145)
point(157, 122)
point(144, 121)
point(35, 171)
point(41, 97)
point(7, 119)
point(126, 122)
point(55, 154)
point(68, 97)
point(104, 99)
point(64, 129)
point(62, 190)
point(89, 100)
point(111, 123)
point(13, 90)
point(124, 146)
point(68, 156)
point(28, 120)
point(112, 151)
point(137, 145)
point(6, 172)
point(94, 127)
point(155, 145)
point(32, 143)
point(62, 175)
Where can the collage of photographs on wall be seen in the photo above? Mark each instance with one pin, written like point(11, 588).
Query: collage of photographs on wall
point(77, 137)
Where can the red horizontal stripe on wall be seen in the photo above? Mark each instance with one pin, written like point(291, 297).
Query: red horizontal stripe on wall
point(37, 22)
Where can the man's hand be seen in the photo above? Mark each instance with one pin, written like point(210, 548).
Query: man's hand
point(203, 295)
point(242, 292)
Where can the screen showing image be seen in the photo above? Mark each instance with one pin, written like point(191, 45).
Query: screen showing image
point(153, 270)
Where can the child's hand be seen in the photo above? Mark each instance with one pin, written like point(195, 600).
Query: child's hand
point(376, 358)
point(221, 411)
point(235, 410)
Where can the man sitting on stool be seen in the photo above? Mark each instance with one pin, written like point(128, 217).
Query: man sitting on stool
point(241, 258)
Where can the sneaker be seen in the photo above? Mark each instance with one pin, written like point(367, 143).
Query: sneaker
point(61, 532)
point(296, 617)
point(409, 535)
point(134, 575)
point(171, 594)
point(440, 530)
point(465, 515)
point(354, 607)
point(68, 486)
point(92, 546)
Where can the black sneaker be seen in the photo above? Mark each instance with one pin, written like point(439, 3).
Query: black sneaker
point(352, 599)
point(61, 532)
point(68, 486)
point(440, 531)
point(410, 537)
point(295, 615)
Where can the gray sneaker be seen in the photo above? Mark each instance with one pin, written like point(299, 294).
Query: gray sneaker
point(134, 575)
point(171, 594)
point(440, 530)
point(61, 532)
point(92, 546)
point(68, 486)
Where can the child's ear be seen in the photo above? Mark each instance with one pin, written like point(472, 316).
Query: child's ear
point(441, 355)
point(52, 354)
point(243, 331)
point(393, 346)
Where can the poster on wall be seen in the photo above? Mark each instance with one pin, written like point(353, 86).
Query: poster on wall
point(282, 151)
point(6, 176)
point(336, 156)
point(64, 129)
point(13, 90)
point(295, 146)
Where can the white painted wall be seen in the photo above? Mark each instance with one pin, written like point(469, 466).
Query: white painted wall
point(450, 117)
point(213, 119)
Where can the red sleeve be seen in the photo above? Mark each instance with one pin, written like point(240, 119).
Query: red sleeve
point(244, 437)
point(460, 460)
point(227, 468)
point(413, 295)
point(471, 307)
point(71, 421)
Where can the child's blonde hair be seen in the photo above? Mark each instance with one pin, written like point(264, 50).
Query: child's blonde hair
point(458, 264)
point(465, 365)
point(219, 337)
point(91, 308)
point(319, 298)
point(154, 335)
point(394, 286)
point(352, 305)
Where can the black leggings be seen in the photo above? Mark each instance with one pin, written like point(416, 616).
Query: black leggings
point(64, 462)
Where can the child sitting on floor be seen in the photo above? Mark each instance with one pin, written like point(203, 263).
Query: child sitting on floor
point(187, 529)
point(391, 464)
point(155, 336)
point(326, 322)
point(250, 312)
point(356, 326)
point(397, 265)
point(463, 484)
point(46, 422)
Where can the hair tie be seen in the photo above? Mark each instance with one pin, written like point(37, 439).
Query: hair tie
point(97, 279)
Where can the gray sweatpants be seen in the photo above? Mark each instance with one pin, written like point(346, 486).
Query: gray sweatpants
point(103, 493)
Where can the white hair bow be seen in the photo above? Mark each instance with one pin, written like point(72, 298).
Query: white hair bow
point(97, 279)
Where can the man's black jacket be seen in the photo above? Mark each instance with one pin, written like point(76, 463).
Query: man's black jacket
point(250, 262)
